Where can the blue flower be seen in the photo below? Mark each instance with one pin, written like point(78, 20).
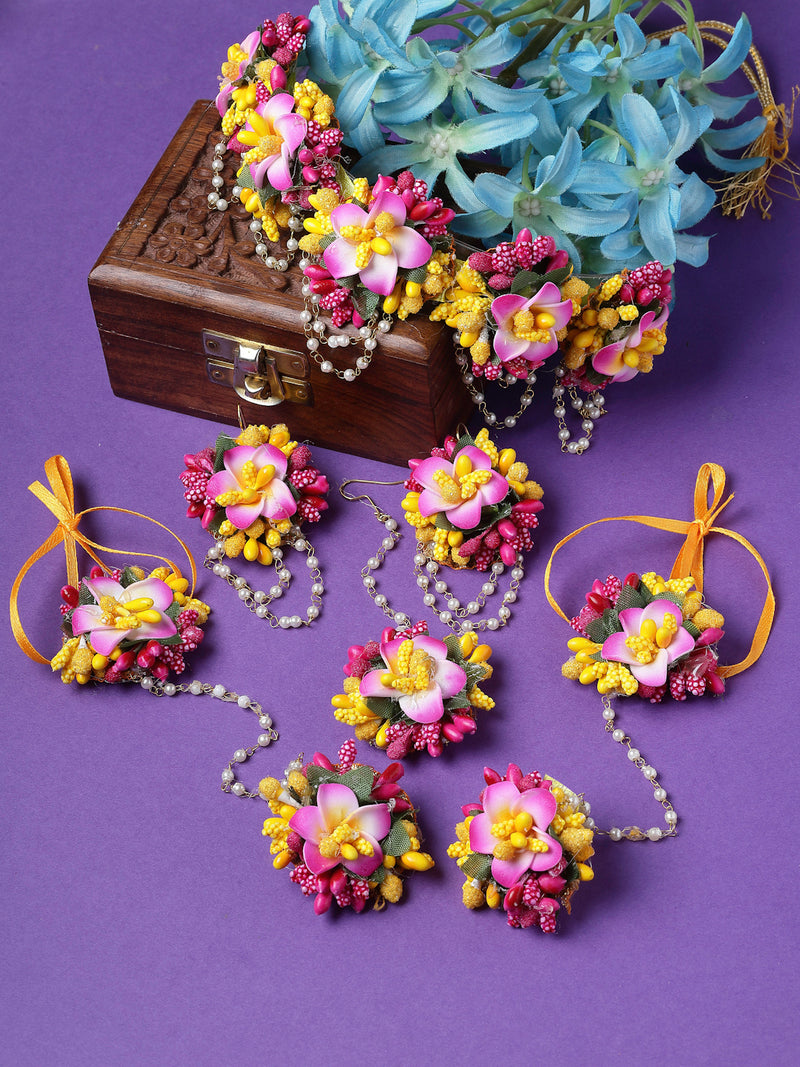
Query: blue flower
point(512, 201)
point(654, 145)
point(436, 75)
point(607, 74)
point(434, 146)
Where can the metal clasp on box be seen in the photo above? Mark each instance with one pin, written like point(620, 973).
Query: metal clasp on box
point(259, 373)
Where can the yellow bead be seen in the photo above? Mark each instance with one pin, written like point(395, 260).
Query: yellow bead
point(518, 840)
point(389, 861)
point(99, 662)
point(577, 644)
point(492, 897)
point(585, 872)
point(481, 654)
point(250, 550)
point(416, 861)
point(281, 860)
point(523, 821)
point(380, 737)
point(463, 466)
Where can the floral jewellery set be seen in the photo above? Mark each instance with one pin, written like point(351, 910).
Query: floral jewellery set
point(349, 833)
point(252, 493)
point(121, 624)
point(647, 636)
point(578, 123)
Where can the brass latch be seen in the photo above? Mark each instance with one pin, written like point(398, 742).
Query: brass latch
point(259, 373)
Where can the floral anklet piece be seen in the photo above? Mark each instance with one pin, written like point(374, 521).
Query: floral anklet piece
point(653, 637)
point(524, 847)
point(118, 624)
point(473, 507)
point(414, 692)
point(349, 833)
point(253, 493)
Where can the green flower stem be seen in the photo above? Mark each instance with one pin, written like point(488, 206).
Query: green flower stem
point(541, 40)
point(614, 133)
point(473, 9)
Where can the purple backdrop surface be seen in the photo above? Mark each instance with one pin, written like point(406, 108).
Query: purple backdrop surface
point(142, 918)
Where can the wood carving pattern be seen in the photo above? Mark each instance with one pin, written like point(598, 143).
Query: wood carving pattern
point(192, 236)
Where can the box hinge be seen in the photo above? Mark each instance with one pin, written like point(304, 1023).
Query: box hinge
point(259, 373)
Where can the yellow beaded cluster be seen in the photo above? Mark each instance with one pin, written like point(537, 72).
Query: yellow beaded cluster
point(464, 308)
point(312, 103)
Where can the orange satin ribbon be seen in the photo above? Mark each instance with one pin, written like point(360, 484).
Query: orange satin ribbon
point(690, 558)
point(61, 502)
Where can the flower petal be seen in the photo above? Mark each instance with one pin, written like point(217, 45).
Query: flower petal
point(372, 820)
point(340, 258)
point(308, 822)
point(481, 838)
point(631, 619)
point(499, 800)
point(451, 678)
point(243, 515)
point(380, 274)
point(315, 861)
point(410, 247)
point(363, 866)
point(103, 586)
point(424, 707)
point(654, 673)
point(336, 802)
point(541, 804)
point(509, 872)
point(153, 588)
point(543, 861)
point(615, 649)
point(347, 215)
point(372, 686)
point(278, 502)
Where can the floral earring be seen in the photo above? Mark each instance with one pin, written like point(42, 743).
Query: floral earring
point(253, 493)
point(121, 624)
point(473, 507)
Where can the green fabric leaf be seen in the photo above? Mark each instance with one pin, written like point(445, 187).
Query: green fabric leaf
point(690, 627)
point(383, 707)
point(245, 179)
point(128, 578)
point(317, 775)
point(396, 841)
point(629, 597)
point(611, 623)
point(224, 443)
point(377, 876)
point(474, 675)
point(326, 240)
point(441, 521)
point(84, 596)
point(596, 631)
point(345, 182)
point(359, 779)
point(453, 645)
point(216, 522)
point(593, 377)
point(417, 274)
point(478, 865)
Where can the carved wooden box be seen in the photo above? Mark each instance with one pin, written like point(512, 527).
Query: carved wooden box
point(178, 285)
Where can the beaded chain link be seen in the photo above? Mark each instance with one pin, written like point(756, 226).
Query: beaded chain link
point(219, 692)
point(454, 615)
point(491, 418)
point(635, 833)
point(257, 600)
point(590, 408)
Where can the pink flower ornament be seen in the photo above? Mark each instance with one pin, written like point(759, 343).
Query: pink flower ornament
point(274, 133)
point(460, 488)
point(526, 328)
point(251, 485)
point(374, 244)
point(336, 830)
point(619, 361)
point(136, 611)
point(652, 638)
point(419, 672)
point(517, 822)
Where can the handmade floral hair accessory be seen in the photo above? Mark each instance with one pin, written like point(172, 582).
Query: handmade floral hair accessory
point(412, 691)
point(524, 847)
point(653, 637)
point(349, 833)
point(565, 137)
point(253, 493)
point(473, 507)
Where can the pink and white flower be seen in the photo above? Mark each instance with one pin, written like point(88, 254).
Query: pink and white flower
point(518, 820)
point(336, 830)
point(651, 639)
point(136, 611)
point(274, 133)
point(374, 244)
point(252, 485)
point(460, 488)
point(619, 361)
point(419, 672)
point(526, 328)
point(239, 57)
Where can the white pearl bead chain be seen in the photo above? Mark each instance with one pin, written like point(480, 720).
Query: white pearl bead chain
point(635, 833)
point(459, 618)
point(258, 601)
point(319, 337)
point(504, 382)
point(246, 703)
point(591, 408)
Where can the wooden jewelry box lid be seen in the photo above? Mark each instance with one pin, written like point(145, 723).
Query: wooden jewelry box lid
point(192, 320)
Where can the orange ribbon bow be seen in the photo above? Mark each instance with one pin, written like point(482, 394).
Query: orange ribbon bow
point(61, 502)
point(689, 560)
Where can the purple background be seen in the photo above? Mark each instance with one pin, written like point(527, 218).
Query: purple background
point(142, 916)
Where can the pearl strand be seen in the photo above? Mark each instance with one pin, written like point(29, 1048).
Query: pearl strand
point(455, 616)
point(258, 601)
point(635, 833)
point(504, 382)
point(314, 329)
point(219, 692)
point(591, 408)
